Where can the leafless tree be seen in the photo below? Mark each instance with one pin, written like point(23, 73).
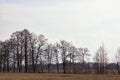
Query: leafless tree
point(101, 60)
point(72, 55)
point(41, 41)
point(28, 52)
point(33, 44)
point(1, 55)
point(49, 56)
point(15, 46)
point(82, 53)
point(64, 46)
point(118, 60)
point(56, 49)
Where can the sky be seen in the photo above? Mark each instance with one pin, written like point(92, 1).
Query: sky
point(87, 23)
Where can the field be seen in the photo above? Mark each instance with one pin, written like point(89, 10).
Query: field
point(38, 76)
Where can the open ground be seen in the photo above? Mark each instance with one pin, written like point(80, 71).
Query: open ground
point(47, 76)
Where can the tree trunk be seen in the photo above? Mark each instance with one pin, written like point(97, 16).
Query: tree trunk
point(26, 59)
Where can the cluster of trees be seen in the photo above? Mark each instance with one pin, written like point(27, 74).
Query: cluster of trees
point(28, 52)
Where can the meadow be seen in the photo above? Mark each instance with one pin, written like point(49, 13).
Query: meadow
point(50, 76)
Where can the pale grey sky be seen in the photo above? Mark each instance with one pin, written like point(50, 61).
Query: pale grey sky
point(87, 23)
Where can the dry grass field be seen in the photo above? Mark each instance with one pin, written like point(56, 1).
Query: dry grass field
point(38, 76)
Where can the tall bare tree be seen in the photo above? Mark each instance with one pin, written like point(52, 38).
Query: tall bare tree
point(33, 44)
point(41, 41)
point(1, 55)
point(56, 55)
point(101, 60)
point(49, 55)
point(64, 46)
point(118, 60)
point(72, 56)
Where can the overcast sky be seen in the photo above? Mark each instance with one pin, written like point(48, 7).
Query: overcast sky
point(87, 23)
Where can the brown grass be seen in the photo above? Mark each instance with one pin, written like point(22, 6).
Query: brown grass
point(38, 76)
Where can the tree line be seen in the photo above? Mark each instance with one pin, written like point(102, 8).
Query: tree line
point(27, 52)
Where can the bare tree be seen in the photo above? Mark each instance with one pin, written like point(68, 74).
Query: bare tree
point(64, 46)
point(26, 35)
point(82, 53)
point(6, 56)
point(33, 44)
point(57, 54)
point(49, 55)
point(118, 60)
point(1, 55)
point(101, 60)
point(41, 41)
point(72, 56)
point(25, 51)
point(15, 44)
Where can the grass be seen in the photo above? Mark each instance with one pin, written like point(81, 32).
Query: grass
point(47, 76)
